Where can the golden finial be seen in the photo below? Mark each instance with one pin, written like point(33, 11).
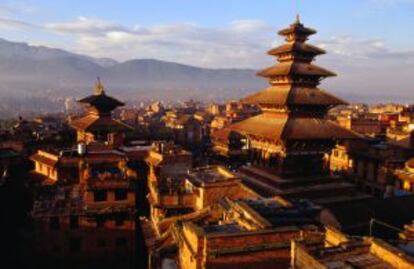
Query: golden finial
point(99, 88)
point(297, 21)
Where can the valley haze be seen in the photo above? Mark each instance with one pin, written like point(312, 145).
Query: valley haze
point(31, 75)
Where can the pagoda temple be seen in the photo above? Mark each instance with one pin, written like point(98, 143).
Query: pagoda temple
point(292, 133)
point(98, 124)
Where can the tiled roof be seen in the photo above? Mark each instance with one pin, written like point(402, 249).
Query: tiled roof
point(276, 127)
point(291, 95)
point(298, 28)
point(93, 123)
point(101, 102)
point(295, 68)
point(296, 47)
point(267, 125)
point(42, 159)
point(221, 135)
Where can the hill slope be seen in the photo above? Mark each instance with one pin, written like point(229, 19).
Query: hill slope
point(36, 71)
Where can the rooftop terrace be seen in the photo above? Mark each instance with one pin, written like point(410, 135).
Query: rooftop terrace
point(210, 174)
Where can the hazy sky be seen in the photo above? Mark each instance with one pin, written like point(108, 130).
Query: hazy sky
point(370, 43)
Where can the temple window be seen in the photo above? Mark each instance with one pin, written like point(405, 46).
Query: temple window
point(101, 243)
point(119, 220)
point(100, 221)
point(100, 195)
point(120, 194)
point(74, 222)
point(75, 244)
point(121, 242)
point(54, 223)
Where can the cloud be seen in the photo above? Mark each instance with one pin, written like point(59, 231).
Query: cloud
point(249, 26)
point(364, 51)
point(6, 9)
point(16, 8)
point(237, 44)
point(83, 25)
point(350, 47)
point(11, 24)
point(241, 43)
point(367, 67)
point(362, 64)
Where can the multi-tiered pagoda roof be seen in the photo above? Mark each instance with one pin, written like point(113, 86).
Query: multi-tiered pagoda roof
point(99, 118)
point(99, 102)
point(294, 108)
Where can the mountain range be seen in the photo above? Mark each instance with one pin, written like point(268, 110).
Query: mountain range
point(37, 71)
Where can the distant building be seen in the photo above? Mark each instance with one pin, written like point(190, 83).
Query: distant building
point(156, 107)
point(129, 116)
point(365, 126)
point(187, 129)
point(215, 109)
point(372, 164)
point(405, 177)
point(387, 108)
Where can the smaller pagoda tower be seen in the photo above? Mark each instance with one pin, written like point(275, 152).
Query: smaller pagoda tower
point(98, 125)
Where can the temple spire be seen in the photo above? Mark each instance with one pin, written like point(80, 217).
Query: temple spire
point(294, 78)
point(295, 57)
point(297, 20)
point(99, 88)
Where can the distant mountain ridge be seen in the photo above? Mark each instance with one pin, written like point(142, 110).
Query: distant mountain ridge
point(32, 71)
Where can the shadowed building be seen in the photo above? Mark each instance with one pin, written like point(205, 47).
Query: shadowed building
point(86, 211)
point(187, 129)
point(192, 194)
point(246, 233)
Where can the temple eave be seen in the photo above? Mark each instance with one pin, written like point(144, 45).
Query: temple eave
point(296, 47)
point(299, 69)
point(297, 28)
point(92, 123)
point(273, 128)
point(291, 95)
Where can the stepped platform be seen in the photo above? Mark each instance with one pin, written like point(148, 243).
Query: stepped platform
point(321, 189)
